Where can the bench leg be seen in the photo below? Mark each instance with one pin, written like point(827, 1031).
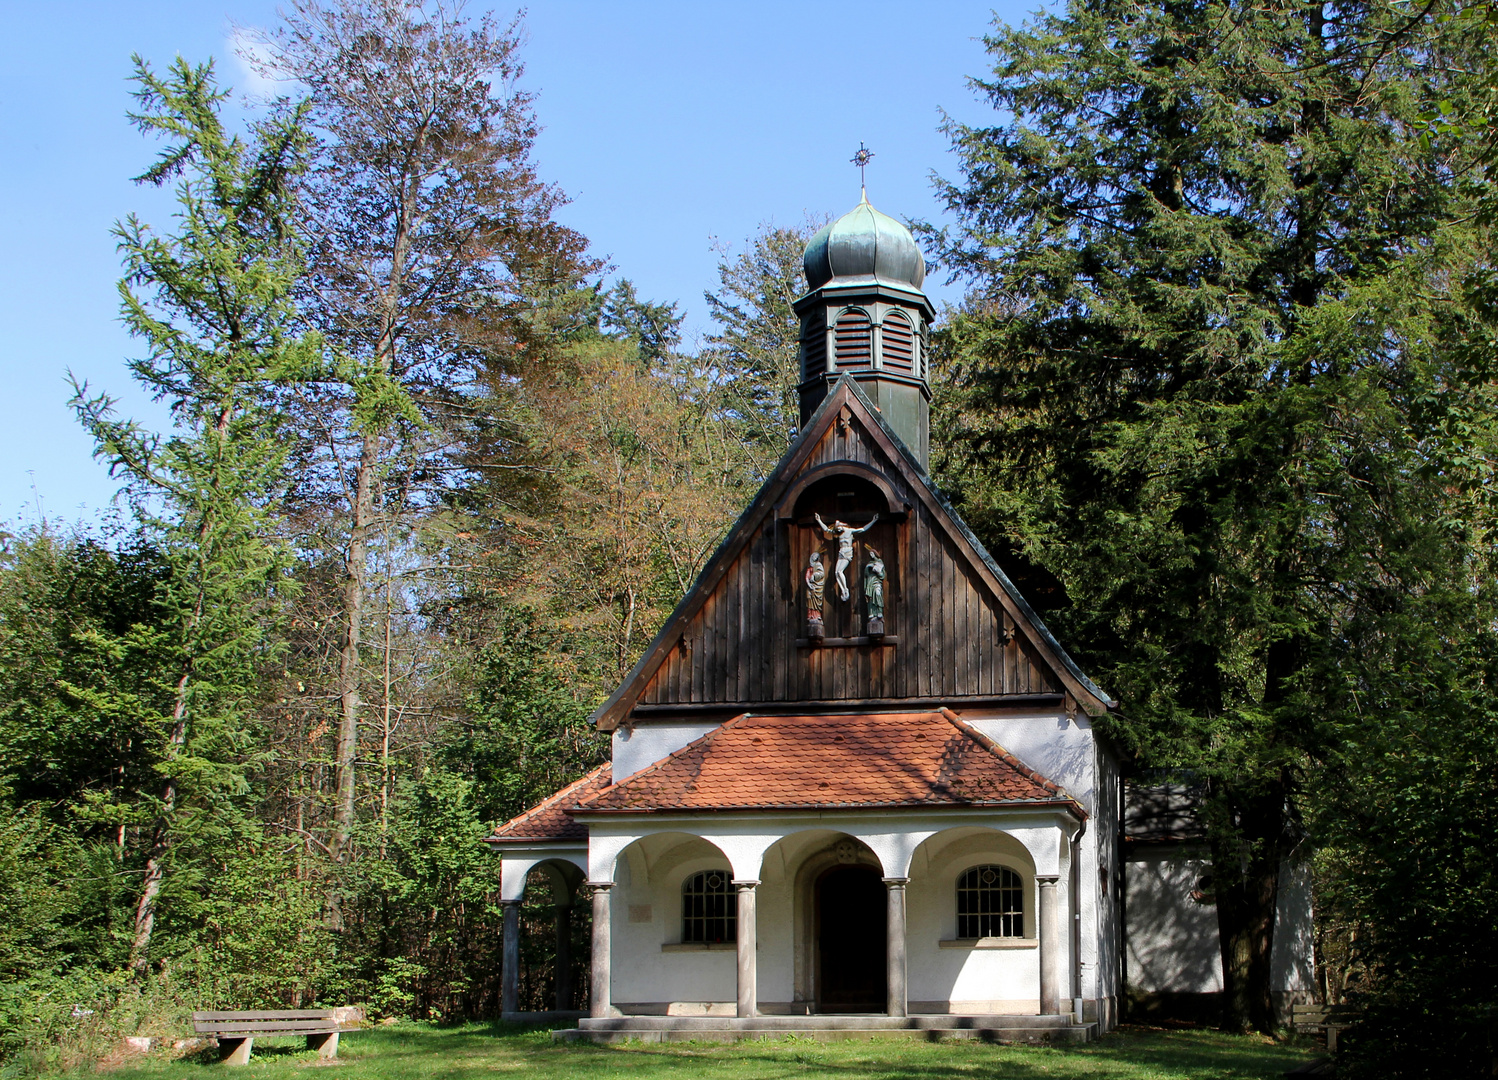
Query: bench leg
point(235, 1051)
point(325, 1044)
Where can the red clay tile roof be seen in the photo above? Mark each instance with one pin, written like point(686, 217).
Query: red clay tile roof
point(803, 762)
point(550, 820)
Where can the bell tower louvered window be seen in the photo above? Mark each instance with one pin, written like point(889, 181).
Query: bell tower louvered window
point(898, 339)
point(813, 349)
point(854, 343)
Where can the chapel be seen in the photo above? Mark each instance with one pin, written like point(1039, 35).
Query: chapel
point(855, 781)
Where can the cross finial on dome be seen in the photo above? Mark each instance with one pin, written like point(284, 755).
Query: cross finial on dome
point(861, 159)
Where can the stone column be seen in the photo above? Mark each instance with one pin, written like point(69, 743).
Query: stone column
point(509, 994)
point(748, 934)
point(600, 1005)
point(564, 957)
point(895, 991)
point(1050, 948)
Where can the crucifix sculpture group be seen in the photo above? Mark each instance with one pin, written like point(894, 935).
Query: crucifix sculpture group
point(816, 578)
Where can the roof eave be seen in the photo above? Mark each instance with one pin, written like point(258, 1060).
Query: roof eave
point(1070, 805)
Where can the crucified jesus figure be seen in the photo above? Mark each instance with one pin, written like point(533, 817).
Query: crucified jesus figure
point(844, 534)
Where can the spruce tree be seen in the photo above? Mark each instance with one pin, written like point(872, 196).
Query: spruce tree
point(211, 302)
point(1215, 280)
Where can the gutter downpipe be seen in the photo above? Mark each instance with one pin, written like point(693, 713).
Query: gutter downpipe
point(1076, 921)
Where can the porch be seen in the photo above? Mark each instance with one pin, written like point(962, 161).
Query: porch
point(923, 927)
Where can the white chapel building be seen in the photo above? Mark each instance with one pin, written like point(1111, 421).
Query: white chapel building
point(855, 781)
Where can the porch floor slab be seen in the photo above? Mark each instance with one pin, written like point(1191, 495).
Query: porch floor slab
point(822, 1027)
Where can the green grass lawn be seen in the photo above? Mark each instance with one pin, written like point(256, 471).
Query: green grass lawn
point(484, 1051)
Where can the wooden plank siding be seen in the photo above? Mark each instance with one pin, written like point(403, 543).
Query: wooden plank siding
point(953, 637)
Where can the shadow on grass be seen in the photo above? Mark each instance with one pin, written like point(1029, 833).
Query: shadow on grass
point(478, 1051)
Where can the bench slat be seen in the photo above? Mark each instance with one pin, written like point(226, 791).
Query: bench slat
point(1320, 1014)
point(294, 1027)
point(267, 1014)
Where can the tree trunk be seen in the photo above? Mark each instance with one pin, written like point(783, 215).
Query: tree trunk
point(1245, 875)
point(161, 835)
point(355, 568)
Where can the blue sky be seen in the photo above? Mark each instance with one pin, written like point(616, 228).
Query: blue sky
point(669, 124)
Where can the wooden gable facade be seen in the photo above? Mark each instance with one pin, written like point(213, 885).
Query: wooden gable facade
point(955, 630)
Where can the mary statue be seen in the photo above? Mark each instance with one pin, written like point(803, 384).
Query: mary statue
point(873, 593)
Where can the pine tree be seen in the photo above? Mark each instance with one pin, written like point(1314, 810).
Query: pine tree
point(1216, 279)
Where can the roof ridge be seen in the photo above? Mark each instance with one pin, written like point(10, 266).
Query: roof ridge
point(672, 756)
point(994, 747)
point(552, 799)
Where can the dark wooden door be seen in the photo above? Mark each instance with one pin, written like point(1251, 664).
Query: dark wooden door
point(851, 941)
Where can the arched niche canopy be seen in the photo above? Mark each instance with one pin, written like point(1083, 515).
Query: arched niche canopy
point(864, 489)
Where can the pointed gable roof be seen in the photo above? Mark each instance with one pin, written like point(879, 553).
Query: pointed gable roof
point(868, 760)
point(846, 399)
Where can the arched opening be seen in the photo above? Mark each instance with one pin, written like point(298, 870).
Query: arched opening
point(673, 926)
point(851, 939)
point(857, 500)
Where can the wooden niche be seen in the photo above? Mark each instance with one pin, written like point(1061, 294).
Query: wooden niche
point(854, 497)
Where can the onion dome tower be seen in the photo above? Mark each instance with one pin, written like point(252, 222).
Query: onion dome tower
point(865, 314)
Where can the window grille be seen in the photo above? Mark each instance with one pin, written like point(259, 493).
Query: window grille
point(899, 344)
point(854, 340)
point(709, 909)
point(990, 903)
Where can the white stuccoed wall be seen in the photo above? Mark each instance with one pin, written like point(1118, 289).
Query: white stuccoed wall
point(1063, 749)
point(967, 979)
point(1291, 963)
point(1060, 748)
point(648, 743)
point(1172, 940)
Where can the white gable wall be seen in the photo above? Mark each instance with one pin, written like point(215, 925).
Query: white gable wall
point(648, 743)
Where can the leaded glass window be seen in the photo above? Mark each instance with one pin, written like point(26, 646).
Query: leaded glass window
point(709, 909)
point(990, 903)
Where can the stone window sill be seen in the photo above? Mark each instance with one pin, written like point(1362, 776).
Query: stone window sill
point(990, 943)
point(700, 946)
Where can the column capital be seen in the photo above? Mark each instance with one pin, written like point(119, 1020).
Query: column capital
point(744, 883)
point(513, 903)
point(610, 884)
point(896, 882)
point(1047, 881)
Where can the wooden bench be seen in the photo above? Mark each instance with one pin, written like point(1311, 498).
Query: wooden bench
point(236, 1031)
point(1329, 1018)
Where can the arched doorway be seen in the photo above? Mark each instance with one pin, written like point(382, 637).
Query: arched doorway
point(851, 940)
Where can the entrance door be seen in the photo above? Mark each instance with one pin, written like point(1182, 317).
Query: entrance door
point(851, 941)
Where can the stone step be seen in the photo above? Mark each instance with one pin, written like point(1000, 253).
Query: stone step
point(1072, 1033)
point(824, 1022)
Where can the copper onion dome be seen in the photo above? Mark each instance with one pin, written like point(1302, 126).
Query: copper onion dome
point(864, 243)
